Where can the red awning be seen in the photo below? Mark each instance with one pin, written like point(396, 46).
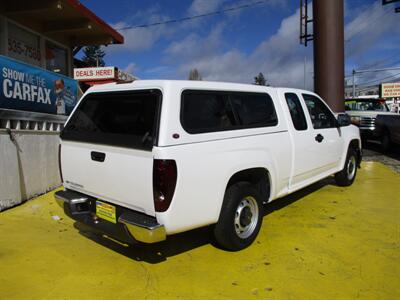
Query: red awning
point(66, 21)
point(117, 38)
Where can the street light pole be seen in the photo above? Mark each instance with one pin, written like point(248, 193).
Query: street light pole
point(354, 84)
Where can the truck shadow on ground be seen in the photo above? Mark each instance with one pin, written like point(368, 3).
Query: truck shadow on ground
point(184, 242)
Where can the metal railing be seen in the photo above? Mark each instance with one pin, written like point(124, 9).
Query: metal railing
point(23, 120)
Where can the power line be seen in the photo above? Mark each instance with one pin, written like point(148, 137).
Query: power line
point(380, 79)
point(240, 7)
point(362, 28)
point(356, 72)
point(349, 47)
point(384, 61)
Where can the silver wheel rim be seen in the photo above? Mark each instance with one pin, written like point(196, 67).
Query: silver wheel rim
point(246, 217)
point(351, 167)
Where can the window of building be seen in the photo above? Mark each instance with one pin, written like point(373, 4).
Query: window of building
point(23, 45)
point(56, 58)
point(320, 114)
point(207, 111)
point(296, 111)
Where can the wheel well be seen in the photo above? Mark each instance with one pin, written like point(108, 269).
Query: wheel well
point(258, 176)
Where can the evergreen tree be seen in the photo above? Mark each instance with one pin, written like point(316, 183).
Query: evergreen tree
point(93, 56)
point(194, 75)
point(260, 79)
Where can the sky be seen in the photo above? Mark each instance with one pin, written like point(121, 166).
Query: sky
point(235, 46)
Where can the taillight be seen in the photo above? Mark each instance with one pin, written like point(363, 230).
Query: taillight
point(59, 163)
point(164, 182)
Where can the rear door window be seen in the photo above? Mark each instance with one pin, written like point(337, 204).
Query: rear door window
point(296, 111)
point(208, 111)
point(124, 119)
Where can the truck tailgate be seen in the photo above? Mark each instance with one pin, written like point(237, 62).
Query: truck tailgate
point(106, 147)
point(123, 178)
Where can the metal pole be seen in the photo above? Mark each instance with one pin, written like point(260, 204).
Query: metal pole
point(354, 84)
point(305, 64)
point(329, 52)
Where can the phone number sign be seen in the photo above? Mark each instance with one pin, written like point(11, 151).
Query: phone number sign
point(20, 50)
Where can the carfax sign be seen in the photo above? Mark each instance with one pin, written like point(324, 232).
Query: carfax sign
point(29, 88)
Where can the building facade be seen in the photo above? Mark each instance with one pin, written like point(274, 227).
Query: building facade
point(38, 40)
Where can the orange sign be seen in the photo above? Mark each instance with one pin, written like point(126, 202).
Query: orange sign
point(390, 90)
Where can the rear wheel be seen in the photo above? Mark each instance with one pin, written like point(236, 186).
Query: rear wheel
point(240, 218)
point(348, 174)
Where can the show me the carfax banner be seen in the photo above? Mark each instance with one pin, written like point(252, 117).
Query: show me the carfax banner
point(29, 88)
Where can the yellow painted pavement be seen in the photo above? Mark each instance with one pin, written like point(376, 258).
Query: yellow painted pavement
point(324, 242)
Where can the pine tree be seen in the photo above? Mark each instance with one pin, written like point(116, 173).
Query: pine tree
point(194, 75)
point(260, 79)
point(93, 56)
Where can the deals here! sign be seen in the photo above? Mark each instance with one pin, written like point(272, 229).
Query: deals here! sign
point(25, 87)
point(95, 73)
point(390, 90)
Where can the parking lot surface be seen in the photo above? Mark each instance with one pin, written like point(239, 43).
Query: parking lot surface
point(324, 242)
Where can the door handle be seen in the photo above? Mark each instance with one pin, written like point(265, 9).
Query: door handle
point(319, 138)
point(98, 156)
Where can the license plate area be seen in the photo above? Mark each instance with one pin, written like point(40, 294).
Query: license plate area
point(106, 211)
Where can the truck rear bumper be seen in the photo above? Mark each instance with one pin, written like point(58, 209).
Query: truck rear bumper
point(130, 227)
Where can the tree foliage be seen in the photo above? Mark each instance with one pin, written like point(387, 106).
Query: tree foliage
point(93, 56)
point(194, 74)
point(260, 79)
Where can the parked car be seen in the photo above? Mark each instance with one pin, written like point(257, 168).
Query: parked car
point(363, 113)
point(388, 128)
point(148, 159)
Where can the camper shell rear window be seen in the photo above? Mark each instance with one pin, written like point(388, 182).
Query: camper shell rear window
point(122, 119)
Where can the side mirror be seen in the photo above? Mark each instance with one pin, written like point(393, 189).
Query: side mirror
point(343, 120)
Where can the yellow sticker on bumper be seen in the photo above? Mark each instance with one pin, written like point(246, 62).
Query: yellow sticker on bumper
point(106, 211)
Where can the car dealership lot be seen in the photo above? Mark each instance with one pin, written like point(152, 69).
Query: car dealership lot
point(322, 242)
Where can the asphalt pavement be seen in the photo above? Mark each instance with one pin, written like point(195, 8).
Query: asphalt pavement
point(322, 242)
point(372, 151)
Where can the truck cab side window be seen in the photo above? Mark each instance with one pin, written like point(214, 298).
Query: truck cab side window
point(320, 114)
point(296, 111)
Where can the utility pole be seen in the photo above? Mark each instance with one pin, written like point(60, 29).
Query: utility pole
point(369, 71)
point(328, 37)
point(305, 71)
point(329, 52)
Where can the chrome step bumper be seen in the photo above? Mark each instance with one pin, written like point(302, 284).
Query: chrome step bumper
point(131, 226)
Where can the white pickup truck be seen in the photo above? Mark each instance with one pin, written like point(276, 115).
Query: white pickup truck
point(147, 159)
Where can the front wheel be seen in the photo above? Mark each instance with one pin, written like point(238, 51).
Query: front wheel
point(347, 175)
point(240, 218)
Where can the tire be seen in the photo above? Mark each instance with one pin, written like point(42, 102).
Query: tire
point(348, 174)
point(386, 141)
point(240, 217)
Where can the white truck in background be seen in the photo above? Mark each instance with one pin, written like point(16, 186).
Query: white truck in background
point(147, 159)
